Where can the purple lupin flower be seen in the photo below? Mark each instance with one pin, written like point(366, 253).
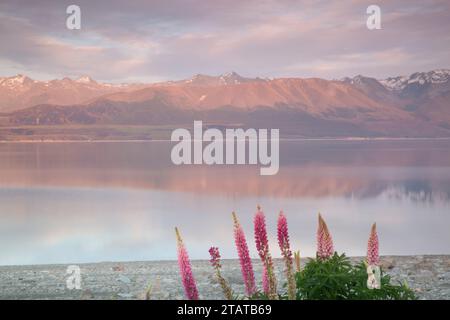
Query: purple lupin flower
point(324, 241)
point(283, 242)
point(215, 257)
point(215, 263)
point(244, 257)
point(373, 257)
point(262, 246)
point(190, 287)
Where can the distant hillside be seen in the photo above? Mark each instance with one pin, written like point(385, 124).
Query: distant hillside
point(414, 106)
point(19, 92)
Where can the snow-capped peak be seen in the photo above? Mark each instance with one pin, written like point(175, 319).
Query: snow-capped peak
point(359, 79)
point(85, 79)
point(231, 78)
point(223, 79)
point(20, 78)
point(14, 81)
point(421, 78)
point(231, 74)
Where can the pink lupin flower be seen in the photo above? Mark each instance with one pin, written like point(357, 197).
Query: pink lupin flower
point(283, 242)
point(262, 246)
point(190, 287)
point(324, 241)
point(244, 257)
point(372, 247)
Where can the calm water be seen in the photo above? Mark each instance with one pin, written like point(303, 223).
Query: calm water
point(87, 202)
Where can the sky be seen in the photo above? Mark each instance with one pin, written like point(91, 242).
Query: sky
point(159, 40)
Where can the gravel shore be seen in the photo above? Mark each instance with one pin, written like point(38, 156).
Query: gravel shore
point(428, 275)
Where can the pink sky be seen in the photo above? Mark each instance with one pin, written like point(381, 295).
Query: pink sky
point(146, 41)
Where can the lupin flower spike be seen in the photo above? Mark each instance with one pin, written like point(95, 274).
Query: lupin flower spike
point(215, 262)
point(190, 287)
point(244, 257)
point(373, 257)
point(262, 246)
point(283, 242)
point(324, 241)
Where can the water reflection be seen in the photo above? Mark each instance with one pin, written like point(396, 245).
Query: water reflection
point(80, 202)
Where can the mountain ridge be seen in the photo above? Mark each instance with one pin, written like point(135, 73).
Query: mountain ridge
point(417, 105)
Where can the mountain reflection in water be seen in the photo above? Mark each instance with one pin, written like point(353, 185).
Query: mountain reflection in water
point(80, 202)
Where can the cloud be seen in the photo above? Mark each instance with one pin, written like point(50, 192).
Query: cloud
point(155, 40)
point(352, 64)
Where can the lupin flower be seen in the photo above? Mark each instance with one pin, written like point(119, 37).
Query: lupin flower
point(283, 242)
point(215, 257)
point(373, 257)
point(324, 241)
point(262, 246)
point(215, 262)
point(190, 287)
point(244, 257)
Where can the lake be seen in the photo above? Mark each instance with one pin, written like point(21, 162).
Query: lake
point(120, 201)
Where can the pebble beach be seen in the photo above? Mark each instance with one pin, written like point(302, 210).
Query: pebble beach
point(427, 275)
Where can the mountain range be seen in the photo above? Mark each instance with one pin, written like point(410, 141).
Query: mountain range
point(417, 105)
point(19, 92)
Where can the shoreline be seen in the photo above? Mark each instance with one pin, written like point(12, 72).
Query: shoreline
point(427, 275)
point(281, 139)
point(200, 260)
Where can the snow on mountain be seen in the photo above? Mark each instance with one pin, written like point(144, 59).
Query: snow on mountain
point(232, 78)
point(85, 79)
point(359, 79)
point(229, 78)
point(397, 106)
point(15, 81)
point(20, 91)
point(401, 82)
